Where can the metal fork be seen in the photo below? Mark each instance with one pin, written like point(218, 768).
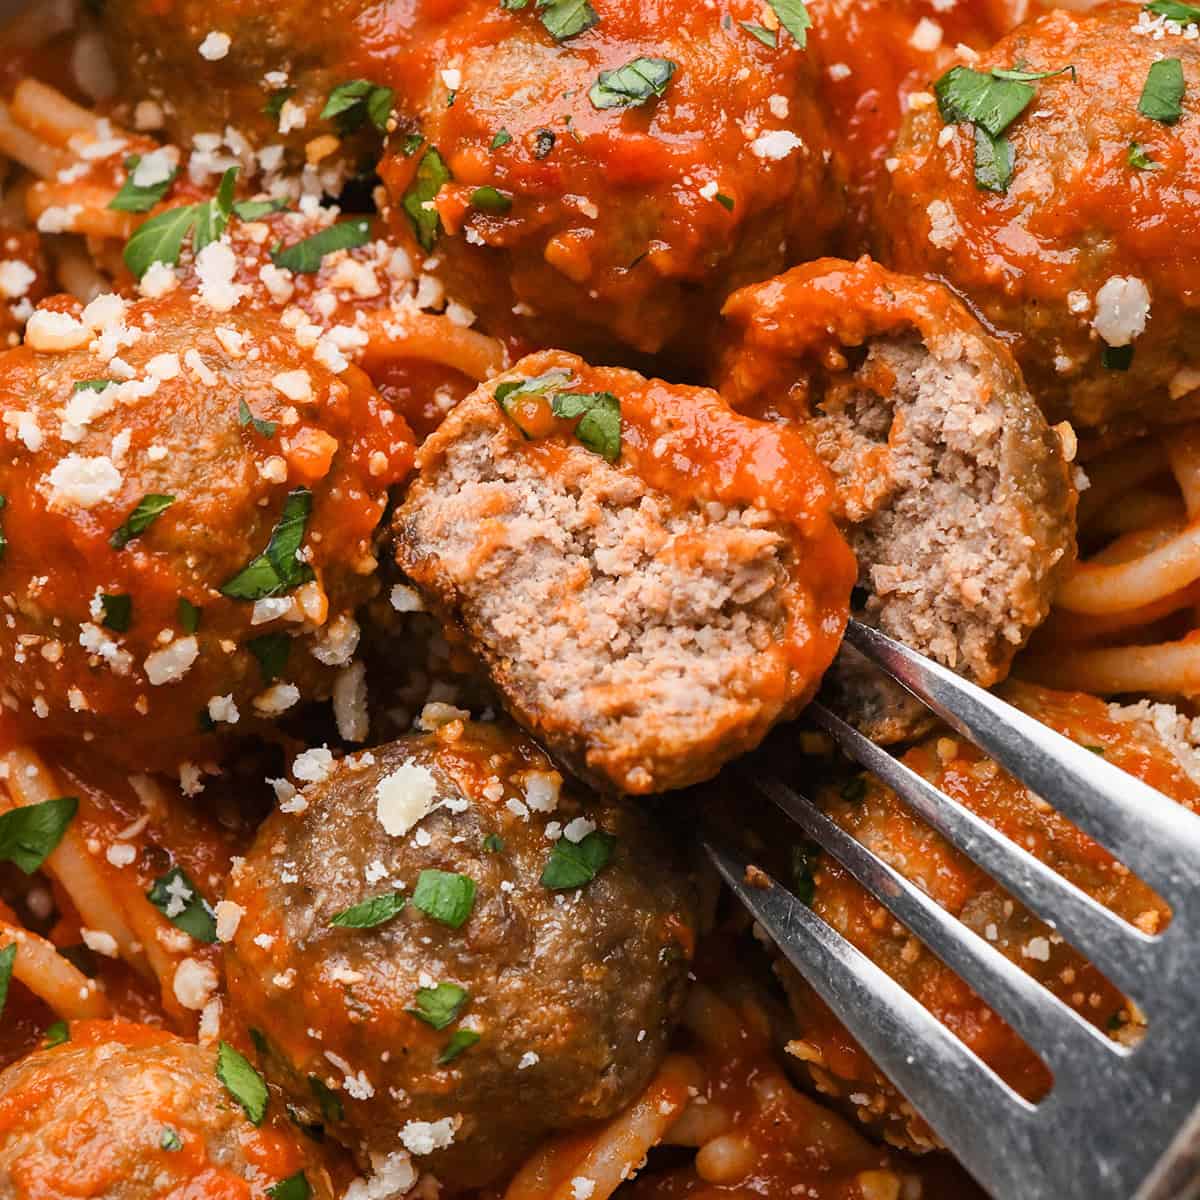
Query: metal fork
point(1119, 1123)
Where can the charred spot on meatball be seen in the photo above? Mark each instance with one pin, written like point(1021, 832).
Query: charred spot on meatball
point(450, 954)
point(954, 493)
point(191, 503)
point(651, 580)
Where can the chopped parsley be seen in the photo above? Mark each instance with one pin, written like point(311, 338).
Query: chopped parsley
point(168, 1139)
point(294, 1187)
point(538, 385)
point(305, 257)
point(1162, 95)
point(330, 1102)
point(242, 1082)
point(440, 1005)
point(91, 385)
point(1117, 358)
point(29, 833)
point(275, 101)
point(460, 1040)
point(271, 650)
point(432, 174)
point(137, 198)
point(1100, 750)
point(352, 104)
point(804, 857)
point(118, 611)
point(726, 201)
point(188, 615)
point(993, 161)
point(255, 210)
point(8, 956)
point(160, 239)
point(445, 896)
point(1139, 160)
point(177, 898)
point(502, 138)
point(493, 843)
point(567, 18)
point(572, 864)
point(277, 570)
point(599, 413)
point(793, 16)
point(639, 80)
point(56, 1034)
point(1182, 14)
point(149, 508)
point(764, 35)
point(369, 913)
point(489, 199)
point(246, 417)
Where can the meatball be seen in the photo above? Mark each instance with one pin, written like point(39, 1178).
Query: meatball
point(954, 493)
point(606, 190)
point(262, 69)
point(451, 956)
point(1085, 260)
point(191, 507)
point(650, 587)
point(1151, 742)
point(23, 281)
point(126, 1112)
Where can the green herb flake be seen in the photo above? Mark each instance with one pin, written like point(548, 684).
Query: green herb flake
point(993, 161)
point(1162, 95)
point(502, 138)
point(330, 1102)
point(794, 17)
point(572, 864)
point(1096, 750)
point(538, 385)
point(29, 833)
point(92, 385)
point(246, 417)
point(727, 201)
point(1139, 160)
point(149, 508)
point(441, 1005)
point(212, 217)
point(56, 1034)
point(352, 104)
point(514, 5)
point(188, 615)
point(271, 650)
point(159, 239)
point(275, 101)
point(565, 19)
point(140, 198)
point(1181, 14)
point(432, 174)
point(639, 80)
point(8, 956)
point(978, 97)
point(305, 257)
point(489, 199)
point(445, 896)
point(177, 898)
point(118, 612)
point(255, 210)
point(242, 1082)
point(369, 913)
point(169, 1140)
point(804, 857)
point(460, 1040)
point(1117, 358)
point(277, 570)
point(764, 35)
point(493, 843)
point(599, 414)
point(294, 1187)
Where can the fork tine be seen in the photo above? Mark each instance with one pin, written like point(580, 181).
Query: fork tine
point(1155, 836)
point(1052, 1028)
point(904, 1040)
point(1113, 945)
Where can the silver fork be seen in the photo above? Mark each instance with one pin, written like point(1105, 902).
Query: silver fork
point(1119, 1123)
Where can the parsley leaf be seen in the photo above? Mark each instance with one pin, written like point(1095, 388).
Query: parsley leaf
point(271, 650)
point(188, 614)
point(566, 18)
point(212, 217)
point(149, 508)
point(56, 1034)
point(1183, 14)
point(764, 35)
point(176, 897)
point(246, 417)
point(964, 94)
point(804, 885)
point(993, 161)
point(118, 612)
point(502, 138)
point(725, 201)
point(489, 199)
point(353, 103)
point(330, 1102)
point(538, 385)
point(493, 843)
point(168, 1139)
point(369, 913)
point(637, 81)
point(432, 174)
point(140, 198)
point(305, 257)
point(253, 210)
point(242, 1082)
point(1162, 95)
point(1116, 358)
point(599, 413)
point(445, 896)
point(28, 834)
point(441, 1005)
point(8, 956)
point(294, 1187)
point(1020, 75)
point(277, 570)
point(572, 864)
point(460, 1040)
point(159, 239)
point(91, 385)
point(793, 16)
point(1140, 160)
point(275, 101)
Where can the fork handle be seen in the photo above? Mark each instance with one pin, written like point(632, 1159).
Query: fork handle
point(1177, 1176)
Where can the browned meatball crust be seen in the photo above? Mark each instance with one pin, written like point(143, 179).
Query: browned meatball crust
point(648, 617)
point(954, 493)
point(564, 996)
point(1092, 252)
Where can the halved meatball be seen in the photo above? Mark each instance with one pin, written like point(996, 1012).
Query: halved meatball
point(191, 509)
point(126, 1112)
point(450, 955)
point(608, 174)
point(954, 493)
point(1151, 742)
point(1085, 261)
point(651, 586)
